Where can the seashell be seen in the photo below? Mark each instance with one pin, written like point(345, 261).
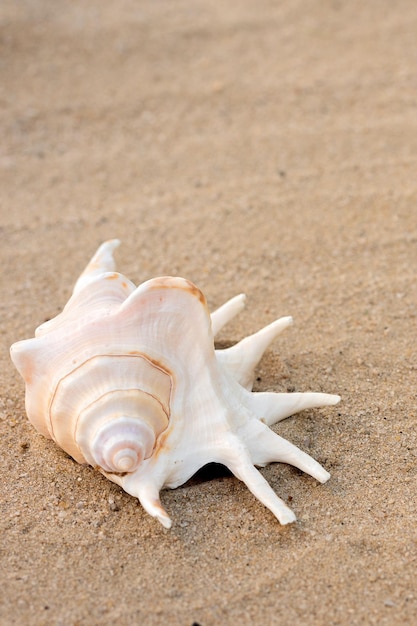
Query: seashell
point(128, 380)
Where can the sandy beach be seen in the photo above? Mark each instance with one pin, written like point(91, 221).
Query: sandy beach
point(268, 148)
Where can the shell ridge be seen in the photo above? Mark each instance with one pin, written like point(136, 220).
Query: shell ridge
point(162, 291)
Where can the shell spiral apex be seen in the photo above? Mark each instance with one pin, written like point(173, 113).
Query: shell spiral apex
point(138, 390)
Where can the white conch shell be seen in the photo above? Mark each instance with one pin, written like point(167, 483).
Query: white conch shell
point(127, 379)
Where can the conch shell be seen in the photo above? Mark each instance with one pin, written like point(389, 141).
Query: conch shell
point(127, 380)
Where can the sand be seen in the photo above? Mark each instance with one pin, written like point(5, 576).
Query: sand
point(269, 148)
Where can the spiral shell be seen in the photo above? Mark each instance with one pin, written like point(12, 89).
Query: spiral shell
point(127, 380)
point(115, 425)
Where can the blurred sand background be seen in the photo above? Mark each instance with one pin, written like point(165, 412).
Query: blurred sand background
point(266, 147)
